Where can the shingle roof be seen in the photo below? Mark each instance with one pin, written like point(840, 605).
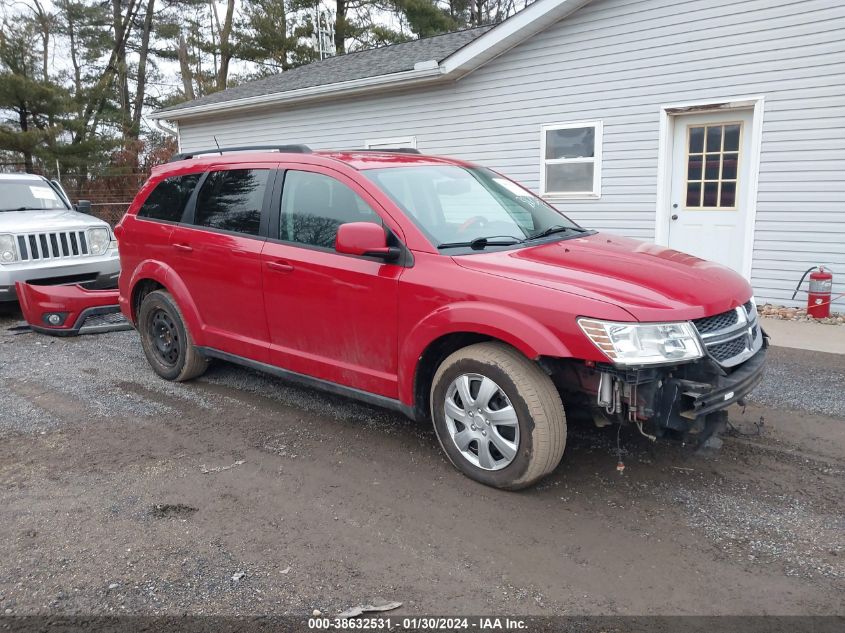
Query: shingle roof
point(369, 63)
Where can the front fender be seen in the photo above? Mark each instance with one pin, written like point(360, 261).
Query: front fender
point(505, 324)
point(170, 279)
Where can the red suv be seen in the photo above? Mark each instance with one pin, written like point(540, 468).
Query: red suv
point(436, 288)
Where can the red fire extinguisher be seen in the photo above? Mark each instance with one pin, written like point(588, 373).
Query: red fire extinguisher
point(818, 298)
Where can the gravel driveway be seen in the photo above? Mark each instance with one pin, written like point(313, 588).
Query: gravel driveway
point(240, 494)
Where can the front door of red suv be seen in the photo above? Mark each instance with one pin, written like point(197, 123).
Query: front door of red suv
point(331, 316)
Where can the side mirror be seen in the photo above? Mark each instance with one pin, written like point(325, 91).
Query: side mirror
point(84, 206)
point(365, 239)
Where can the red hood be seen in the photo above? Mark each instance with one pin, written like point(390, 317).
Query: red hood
point(651, 282)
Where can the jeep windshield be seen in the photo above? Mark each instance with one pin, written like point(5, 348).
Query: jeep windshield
point(471, 208)
point(29, 195)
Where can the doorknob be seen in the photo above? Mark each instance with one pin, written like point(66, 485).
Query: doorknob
point(674, 216)
point(675, 206)
point(280, 266)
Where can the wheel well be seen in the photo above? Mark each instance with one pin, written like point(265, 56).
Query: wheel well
point(141, 290)
point(430, 360)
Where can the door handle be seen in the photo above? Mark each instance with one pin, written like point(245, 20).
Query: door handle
point(280, 266)
point(185, 248)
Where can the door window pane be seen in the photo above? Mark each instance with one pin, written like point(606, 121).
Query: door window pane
point(314, 205)
point(696, 140)
point(732, 138)
point(712, 167)
point(714, 138)
point(729, 165)
point(711, 194)
point(231, 200)
point(694, 194)
point(728, 195)
point(167, 201)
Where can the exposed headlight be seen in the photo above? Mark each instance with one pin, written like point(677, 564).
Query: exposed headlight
point(98, 240)
point(631, 344)
point(8, 253)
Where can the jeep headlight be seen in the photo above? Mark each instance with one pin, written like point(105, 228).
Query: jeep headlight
point(631, 344)
point(98, 240)
point(8, 254)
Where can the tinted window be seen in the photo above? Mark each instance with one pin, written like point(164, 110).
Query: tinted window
point(314, 205)
point(232, 200)
point(167, 201)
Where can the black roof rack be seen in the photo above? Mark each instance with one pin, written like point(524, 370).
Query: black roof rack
point(289, 149)
point(392, 150)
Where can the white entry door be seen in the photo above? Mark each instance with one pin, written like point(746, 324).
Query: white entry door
point(710, 174)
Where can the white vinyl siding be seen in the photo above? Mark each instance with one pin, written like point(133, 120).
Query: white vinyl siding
point(618, 61)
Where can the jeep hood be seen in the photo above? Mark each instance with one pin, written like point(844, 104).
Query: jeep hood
point(49, 220)
point(651, 282)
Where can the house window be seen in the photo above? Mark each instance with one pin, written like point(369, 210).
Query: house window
point(713, 165)
point(396, 142)
point(571, 160)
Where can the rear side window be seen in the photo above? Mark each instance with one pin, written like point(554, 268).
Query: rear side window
point(231, 200)
point(167, 201)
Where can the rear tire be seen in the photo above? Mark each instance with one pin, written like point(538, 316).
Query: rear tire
point(498, 416)
point(167, 344)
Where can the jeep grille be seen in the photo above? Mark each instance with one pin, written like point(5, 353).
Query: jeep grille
point(53, 245)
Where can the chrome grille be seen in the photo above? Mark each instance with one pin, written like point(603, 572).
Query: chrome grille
point(724, 351)
point(731, 337)
point(52, 245)
point(718, 322)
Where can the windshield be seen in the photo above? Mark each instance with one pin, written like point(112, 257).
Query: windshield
point(25, 195)
point(462, 206)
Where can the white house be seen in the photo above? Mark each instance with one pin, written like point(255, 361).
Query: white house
point(716, 127)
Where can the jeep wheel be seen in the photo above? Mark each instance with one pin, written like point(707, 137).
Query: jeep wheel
point(167, 344)
point(498, 416)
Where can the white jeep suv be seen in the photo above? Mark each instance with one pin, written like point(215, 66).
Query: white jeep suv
point(44, 240)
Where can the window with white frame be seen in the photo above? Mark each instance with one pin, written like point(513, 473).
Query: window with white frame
point(396, 142)
point(571, 160)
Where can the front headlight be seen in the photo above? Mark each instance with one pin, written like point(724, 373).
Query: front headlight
point(631, 344)
point(98, 240)
point(8, 254)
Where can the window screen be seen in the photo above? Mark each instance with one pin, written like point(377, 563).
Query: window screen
point(231, 200)
point(314, 205)
point(167, 201)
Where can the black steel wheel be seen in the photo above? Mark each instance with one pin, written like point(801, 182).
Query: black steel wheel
point(167, 343)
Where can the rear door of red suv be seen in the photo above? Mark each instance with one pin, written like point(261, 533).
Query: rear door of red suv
point(216, 251)
point(330, 315)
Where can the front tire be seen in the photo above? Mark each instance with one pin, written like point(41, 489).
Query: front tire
point(167, 344)
point(498, 416)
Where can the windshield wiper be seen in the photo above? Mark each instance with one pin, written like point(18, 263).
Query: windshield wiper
point(17, 209)
point(557, 228)
point(480, 243)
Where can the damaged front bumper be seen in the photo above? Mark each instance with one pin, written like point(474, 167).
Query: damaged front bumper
point(675, 400)
point(70, 310)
